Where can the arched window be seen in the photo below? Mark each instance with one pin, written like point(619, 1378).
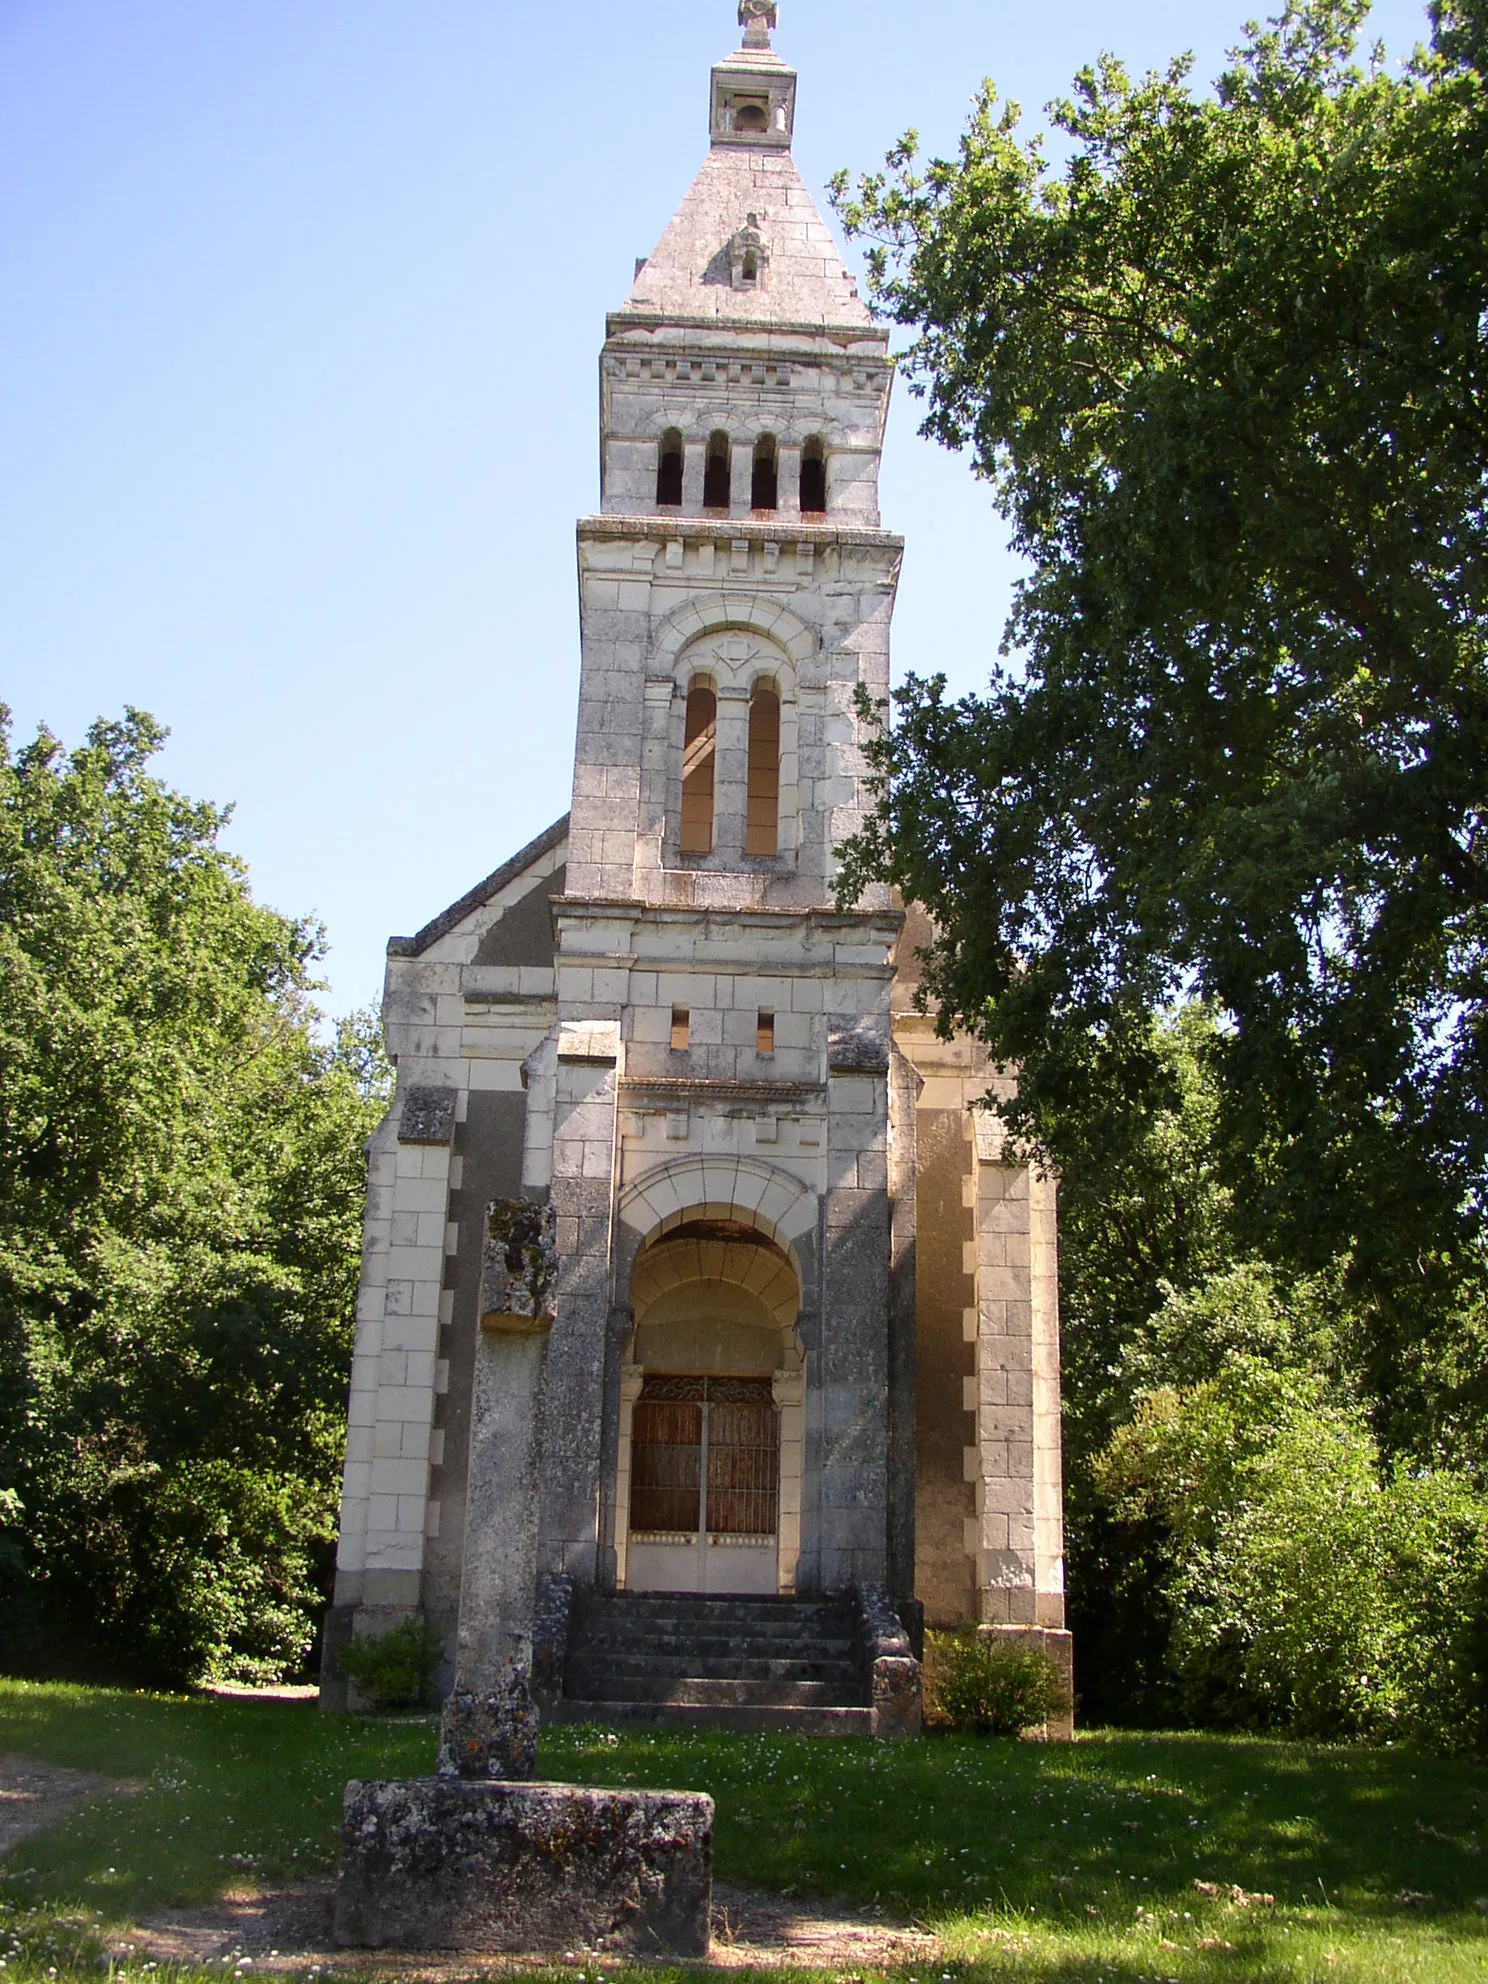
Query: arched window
point(669, 471)
point(751, 117)
point(763, 482)
point(814, 477)
point(716, 473)
point(699, 749)
point(762, 813)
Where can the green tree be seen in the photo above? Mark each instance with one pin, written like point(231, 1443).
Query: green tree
point(1225, 372)
point(181, 1183)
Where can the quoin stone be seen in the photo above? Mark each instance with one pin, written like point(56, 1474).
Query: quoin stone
point(702, 1303)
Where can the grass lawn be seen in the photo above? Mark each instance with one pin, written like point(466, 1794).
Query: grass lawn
point(1072, 1864)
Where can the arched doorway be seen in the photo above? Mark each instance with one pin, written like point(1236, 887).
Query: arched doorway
point(710, 1437)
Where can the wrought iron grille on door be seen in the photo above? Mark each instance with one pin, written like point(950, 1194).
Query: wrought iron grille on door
point(704, 1458)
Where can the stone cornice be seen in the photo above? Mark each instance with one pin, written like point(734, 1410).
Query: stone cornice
point(609, 908)
point(739, 335)
point(719, 530)
point(671, 1089)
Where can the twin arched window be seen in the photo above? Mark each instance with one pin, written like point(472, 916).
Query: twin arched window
point(717, 472)
point(699, 763)
point(764, 483)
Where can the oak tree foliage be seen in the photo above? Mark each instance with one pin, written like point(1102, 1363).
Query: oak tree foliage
point(1224, 364)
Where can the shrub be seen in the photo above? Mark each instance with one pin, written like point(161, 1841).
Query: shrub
point(395, 1669)
point(1304, 1587)
point(994, 1685)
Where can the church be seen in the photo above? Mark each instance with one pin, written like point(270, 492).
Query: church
point(707, 1338)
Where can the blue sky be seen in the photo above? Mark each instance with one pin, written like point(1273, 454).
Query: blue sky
point(300, 309)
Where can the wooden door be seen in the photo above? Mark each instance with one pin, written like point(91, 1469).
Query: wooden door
point(704, 1485)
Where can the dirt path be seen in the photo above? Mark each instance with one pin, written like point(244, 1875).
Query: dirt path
point(34, 1795)
point(291, 1928)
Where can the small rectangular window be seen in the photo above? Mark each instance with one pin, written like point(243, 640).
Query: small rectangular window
point(764, 1034)
point(680, 1018)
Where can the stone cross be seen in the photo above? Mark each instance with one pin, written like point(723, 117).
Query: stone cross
point(757, 17)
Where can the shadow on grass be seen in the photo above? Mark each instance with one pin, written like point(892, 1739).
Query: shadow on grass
point(1123, 1856)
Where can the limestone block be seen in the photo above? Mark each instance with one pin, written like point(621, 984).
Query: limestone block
point(447, 1863)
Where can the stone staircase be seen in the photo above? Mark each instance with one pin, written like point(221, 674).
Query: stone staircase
point(720, 1663)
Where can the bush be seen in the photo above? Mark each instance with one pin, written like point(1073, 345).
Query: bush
point(395, 1670)
point(1302, 1586)
point(994, 1685)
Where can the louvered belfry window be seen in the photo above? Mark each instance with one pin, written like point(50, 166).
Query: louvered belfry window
point(705, 1455)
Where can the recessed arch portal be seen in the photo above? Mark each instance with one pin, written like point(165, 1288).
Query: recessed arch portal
point(708, 1488)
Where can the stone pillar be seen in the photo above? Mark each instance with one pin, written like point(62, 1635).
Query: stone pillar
point(1018, 1526)
point(788, 486)
point(853, 1367)
point(490, 1726)
point(394, 1371)
point(904, 1088)
point(731, 771)
point(632, 1378)
point(789, 1391)
point(583, 1189)
point(741, 478)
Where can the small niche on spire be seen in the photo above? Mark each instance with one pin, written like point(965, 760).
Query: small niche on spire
point(749, 258)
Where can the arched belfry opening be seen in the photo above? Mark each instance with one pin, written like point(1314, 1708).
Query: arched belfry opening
point(669, 471)
point(717, 472)
point(814, 477)
point(764, 482)
point(710, 1438)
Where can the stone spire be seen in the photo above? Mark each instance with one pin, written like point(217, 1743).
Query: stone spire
point(757, 17)
point(747, 244)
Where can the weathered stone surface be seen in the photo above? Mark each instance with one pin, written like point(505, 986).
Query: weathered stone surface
point(893, 1671)
point(427, 1116)
point(493, 1734)
point(857, 1043)
point(443, 1863)
point(519, 1280)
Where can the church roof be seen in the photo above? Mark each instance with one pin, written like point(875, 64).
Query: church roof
point(749, 195)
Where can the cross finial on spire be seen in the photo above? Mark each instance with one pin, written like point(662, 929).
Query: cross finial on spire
point(757, 17)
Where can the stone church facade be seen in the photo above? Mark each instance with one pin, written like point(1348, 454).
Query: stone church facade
point(792, 1329)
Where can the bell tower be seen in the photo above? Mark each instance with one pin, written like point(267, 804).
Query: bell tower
point(735, 591)
point(735, 587)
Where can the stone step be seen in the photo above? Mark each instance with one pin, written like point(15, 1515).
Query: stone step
point(661, 1627)
point(715, 1614)
point(658, 1654)
point(590, 1669)
point(783, 1644)
point(705, 1690)
point(800, 1721)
